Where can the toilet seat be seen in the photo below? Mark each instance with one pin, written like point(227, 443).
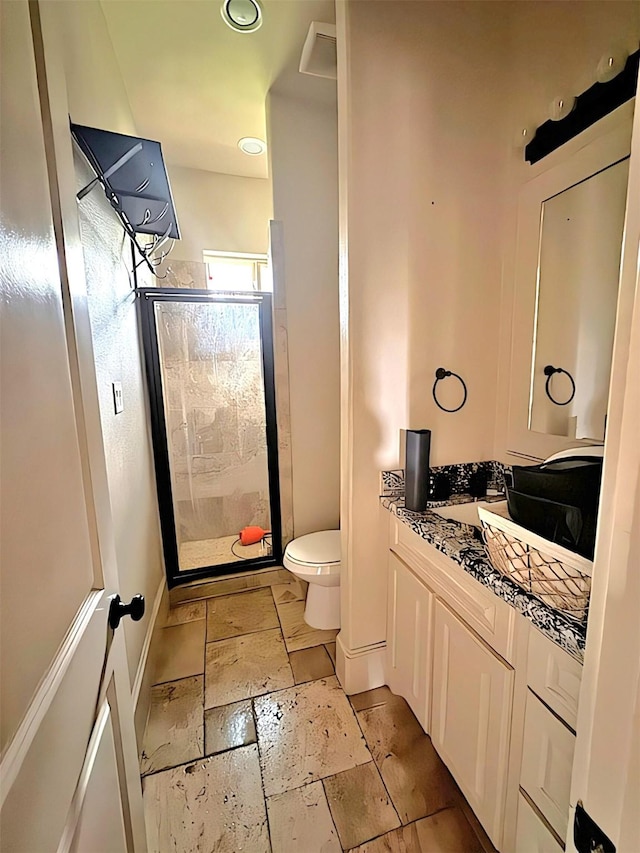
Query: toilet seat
point(315, 558)
point(321, 548)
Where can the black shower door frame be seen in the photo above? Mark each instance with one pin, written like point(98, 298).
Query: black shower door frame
point(148, 297)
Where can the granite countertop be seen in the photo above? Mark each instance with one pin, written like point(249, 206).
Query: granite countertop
point(458, 541)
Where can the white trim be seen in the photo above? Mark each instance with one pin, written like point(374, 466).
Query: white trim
point(20, 744)
point(247, 256)
point(75, 810)
point(144, 654)
point(360, 669)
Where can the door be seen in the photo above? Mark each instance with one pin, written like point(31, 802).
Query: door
point(470, 717)
point(209, 361)
point(410, 644)
point(69, 771)
point(606, 767)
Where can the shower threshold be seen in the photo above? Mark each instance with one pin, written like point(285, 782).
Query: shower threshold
point(218, 552)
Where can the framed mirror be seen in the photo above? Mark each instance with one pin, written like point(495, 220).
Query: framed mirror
point(577, 293)
point(570, 231)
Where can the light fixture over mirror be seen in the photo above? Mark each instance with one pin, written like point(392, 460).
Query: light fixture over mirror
point(243, 16)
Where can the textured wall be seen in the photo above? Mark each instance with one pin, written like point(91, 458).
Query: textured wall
point(304, 164)
point(420, 124)
point(97, 97)
point(127, 438)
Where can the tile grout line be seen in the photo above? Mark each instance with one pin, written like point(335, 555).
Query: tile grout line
point(405, 826)
point(243, 634)
point(197, 760)
point(375, 837)
point(252, 700)
point(424, 817)
point(373, 758)
point(333, 821)
point(264, 793)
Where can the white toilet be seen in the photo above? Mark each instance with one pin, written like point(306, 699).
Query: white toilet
point(315, 558)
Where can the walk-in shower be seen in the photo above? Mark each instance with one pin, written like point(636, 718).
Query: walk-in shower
point(209, 360)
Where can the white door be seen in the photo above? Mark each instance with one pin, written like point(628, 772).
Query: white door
point(69, 775)
point(470, 716)
point(606, 768)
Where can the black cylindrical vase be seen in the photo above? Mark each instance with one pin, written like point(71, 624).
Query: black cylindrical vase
point(416, 472)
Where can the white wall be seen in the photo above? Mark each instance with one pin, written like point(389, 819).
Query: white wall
point(97, 97)
point(421, 137)
point(304, 162)
point(223, 213)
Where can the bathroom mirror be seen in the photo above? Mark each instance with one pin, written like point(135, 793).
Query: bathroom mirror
point(569, 235)
point(577, 290)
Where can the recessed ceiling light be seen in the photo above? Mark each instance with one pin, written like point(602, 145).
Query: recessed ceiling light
point(252, 145)
point(243, 16)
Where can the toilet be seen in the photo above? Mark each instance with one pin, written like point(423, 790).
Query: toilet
point(315, 558)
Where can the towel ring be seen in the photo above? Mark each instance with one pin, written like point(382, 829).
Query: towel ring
point(441, 373)
point(548, 372)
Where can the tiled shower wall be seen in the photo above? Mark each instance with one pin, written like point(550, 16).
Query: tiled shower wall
point(211, 426)
point(215, 418)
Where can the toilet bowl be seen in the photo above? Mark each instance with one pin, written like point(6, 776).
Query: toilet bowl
point(315, 558)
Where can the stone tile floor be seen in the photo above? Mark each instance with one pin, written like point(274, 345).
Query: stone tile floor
point(252, 745)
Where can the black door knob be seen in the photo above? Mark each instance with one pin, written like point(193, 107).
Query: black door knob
point(118, 609)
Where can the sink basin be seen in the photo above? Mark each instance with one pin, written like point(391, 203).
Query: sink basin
point(466, 513)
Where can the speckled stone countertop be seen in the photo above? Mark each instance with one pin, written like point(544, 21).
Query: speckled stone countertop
point(457, 541)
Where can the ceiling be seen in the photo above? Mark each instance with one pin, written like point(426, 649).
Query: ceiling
point(198, 87)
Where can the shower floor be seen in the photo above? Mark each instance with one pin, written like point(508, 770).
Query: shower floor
point(215, 552)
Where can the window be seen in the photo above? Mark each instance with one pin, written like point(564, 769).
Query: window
point(237, 272)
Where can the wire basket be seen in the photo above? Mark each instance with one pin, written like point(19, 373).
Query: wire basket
point(556, 576)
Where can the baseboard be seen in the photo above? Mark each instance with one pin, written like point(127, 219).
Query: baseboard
point(360, 669)
point(141, 691)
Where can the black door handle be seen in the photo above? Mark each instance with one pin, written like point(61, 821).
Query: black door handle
point(118, 609)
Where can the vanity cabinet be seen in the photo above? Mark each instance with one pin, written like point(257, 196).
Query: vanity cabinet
point(471, 715)
point(410, 638)
point(498, 698)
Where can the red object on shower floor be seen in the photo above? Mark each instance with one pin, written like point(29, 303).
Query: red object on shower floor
point(251, 535)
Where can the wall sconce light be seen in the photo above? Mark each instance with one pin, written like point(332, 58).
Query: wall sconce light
point(523, 136)
point(560, 108)
point(610, 65)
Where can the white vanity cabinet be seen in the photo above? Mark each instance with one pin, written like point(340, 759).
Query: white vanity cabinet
point(498, 698)
point(471, 715)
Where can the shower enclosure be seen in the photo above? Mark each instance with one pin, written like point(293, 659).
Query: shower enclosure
point(209, 361)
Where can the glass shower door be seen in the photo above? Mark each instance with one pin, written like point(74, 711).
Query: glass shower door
point(209, 359)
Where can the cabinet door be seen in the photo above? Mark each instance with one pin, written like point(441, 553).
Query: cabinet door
point(409, 642)
point(532, 836)
point(471, 716)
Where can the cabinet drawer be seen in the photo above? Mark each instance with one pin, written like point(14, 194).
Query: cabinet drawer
point(555, 676)
point(547, 759)
point(491, 617)
point(532, 835)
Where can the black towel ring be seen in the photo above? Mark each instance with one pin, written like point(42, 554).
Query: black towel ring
point(441, 373)
point(548, 372)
